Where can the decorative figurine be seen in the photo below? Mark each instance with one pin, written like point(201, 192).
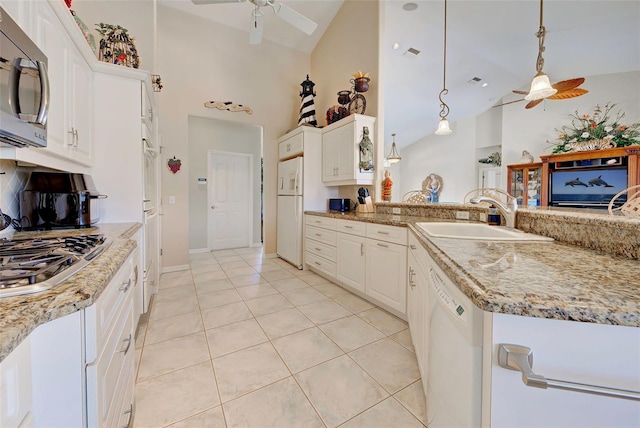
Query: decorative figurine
point(526, 157)
point(493, 159)
point(307, 106)
point(387, 184)
point(432, 186)
point(366, 151)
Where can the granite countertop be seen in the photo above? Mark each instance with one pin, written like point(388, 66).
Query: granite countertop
point(20, 315)
point(537, 279)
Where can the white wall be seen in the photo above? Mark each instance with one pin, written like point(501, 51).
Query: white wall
point(452, 157)
point(202, 61)
point(515, 128)
point(212, 134)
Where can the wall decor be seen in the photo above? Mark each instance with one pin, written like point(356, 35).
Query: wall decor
point(366, 151)
point(174, 164)
point(84, 29)
point(353, 100)
point(227, 105)
point(494, 158)
point(336, 113)
point(156, 82)
point(596, 131)
point(116, 46)
point(307, 107)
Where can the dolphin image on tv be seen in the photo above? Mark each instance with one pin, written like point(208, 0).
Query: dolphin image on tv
point(575, 182)
point(599, 182)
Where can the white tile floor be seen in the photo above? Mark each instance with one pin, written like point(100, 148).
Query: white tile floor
point(244, 341)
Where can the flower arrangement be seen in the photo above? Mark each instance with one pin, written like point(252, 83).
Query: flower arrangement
point(592, 132)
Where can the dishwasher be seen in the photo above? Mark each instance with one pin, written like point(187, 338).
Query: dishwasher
point(454, 384)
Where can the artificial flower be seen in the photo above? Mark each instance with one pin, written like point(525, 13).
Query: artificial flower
point(598, 127)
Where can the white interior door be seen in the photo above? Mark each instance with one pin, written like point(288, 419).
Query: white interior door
point(230, 200)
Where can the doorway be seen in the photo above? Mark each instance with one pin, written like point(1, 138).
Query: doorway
point(229, 200)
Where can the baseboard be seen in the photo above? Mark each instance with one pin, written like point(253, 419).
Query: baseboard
point(270, 256)
point(199, 250)
point(178, 268)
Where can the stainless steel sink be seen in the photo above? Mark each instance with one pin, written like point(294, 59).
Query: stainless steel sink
point(477, 231)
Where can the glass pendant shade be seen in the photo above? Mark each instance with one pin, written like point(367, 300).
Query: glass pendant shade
point(443, 127)
point(540, 88)
point(394, 156)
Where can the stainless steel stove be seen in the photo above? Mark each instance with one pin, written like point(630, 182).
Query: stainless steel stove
point(38, 264)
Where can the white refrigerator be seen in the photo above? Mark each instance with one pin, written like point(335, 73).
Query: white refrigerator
point(290, 211)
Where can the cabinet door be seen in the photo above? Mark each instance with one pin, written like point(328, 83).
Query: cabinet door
point(344, 152)
point(351, 260)
point(329, 148)
point(15, 385)
point(53, 41)
point(80, 108)
point(386, 278)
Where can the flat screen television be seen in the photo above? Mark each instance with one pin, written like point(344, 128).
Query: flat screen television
point(592, 188)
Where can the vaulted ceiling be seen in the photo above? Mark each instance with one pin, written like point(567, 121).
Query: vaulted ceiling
point(491, 40)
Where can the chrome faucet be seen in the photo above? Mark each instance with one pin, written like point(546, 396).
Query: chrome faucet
point(508, 211)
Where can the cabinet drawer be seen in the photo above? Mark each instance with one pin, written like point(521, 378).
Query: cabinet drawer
point(320, 264)
point(352, 227)
point(395, 234)
point(105, 375)
point(322, 235)
point(324, 222)
point(319, 249)
point(102, 317)
point(291, 147)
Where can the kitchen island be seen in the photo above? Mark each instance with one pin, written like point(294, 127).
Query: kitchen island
point(20, 315)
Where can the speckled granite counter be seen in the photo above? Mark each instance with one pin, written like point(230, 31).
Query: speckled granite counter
point(20, 315)
point(537, 279)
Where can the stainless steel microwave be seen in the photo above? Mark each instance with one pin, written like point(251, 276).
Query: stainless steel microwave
point(24, 87)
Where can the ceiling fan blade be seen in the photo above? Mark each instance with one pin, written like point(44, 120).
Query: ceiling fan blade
point(510, 102)
point(294, 18)
point(255, 34)
point(565, 85)
point(532, 104)
point(571, 93)
point(199, 2)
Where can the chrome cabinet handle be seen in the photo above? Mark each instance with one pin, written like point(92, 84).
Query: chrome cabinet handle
point(128, 342)
point(382, 233)
point(135, 274)
point(362, 249)
point(317, 249)
point(382, 245)
point(413, 247)
point(520, 358)
point(348, 227)
point(131, 411)
point(411, 274)
point(317, 263)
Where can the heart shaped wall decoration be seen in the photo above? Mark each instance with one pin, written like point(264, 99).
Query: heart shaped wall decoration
point(174, 164)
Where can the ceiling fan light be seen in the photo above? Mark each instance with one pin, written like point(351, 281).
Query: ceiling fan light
point(540, 88)
point(443, 127)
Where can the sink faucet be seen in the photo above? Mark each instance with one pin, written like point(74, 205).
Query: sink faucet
point(508, 211)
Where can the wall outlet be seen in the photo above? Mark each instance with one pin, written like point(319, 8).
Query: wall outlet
point(483, 217)
point(462, 215)
point(172, 200)
point(396, 210)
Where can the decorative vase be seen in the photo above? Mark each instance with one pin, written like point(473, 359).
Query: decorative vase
point(344, 97)
point(361, 84)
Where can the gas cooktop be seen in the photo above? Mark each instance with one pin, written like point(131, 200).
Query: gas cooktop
point(37, 264)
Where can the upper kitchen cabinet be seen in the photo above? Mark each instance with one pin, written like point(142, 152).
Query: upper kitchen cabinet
point(69, 129)
point(341, 151)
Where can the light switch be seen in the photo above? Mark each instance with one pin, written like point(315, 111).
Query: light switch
point(172, 200)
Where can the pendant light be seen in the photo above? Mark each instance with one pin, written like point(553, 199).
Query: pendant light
point(394, 156)
point(443, 125)
point(540, 85)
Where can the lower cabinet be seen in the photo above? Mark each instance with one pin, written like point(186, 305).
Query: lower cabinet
point(77, 370)
point(386, 278)
point(417, 303)
point(352, 261)
point(369, 259)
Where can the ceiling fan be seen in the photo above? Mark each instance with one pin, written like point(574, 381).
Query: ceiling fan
point(566, 89)
point(281, 10)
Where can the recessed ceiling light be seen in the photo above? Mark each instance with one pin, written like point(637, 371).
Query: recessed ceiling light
point(412, 52)
point(474, 80)
point(409, 7)
point(485, 84)
point(396, 45)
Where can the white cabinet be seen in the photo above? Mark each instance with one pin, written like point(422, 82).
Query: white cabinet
point(291, 146)
point(351, 268)
point(16, 395)
point(69, 124)
point(417, 269)
point(320, 245)
point(386, 279)
point(110, 348)
point(578, 352)
point(340, 151)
